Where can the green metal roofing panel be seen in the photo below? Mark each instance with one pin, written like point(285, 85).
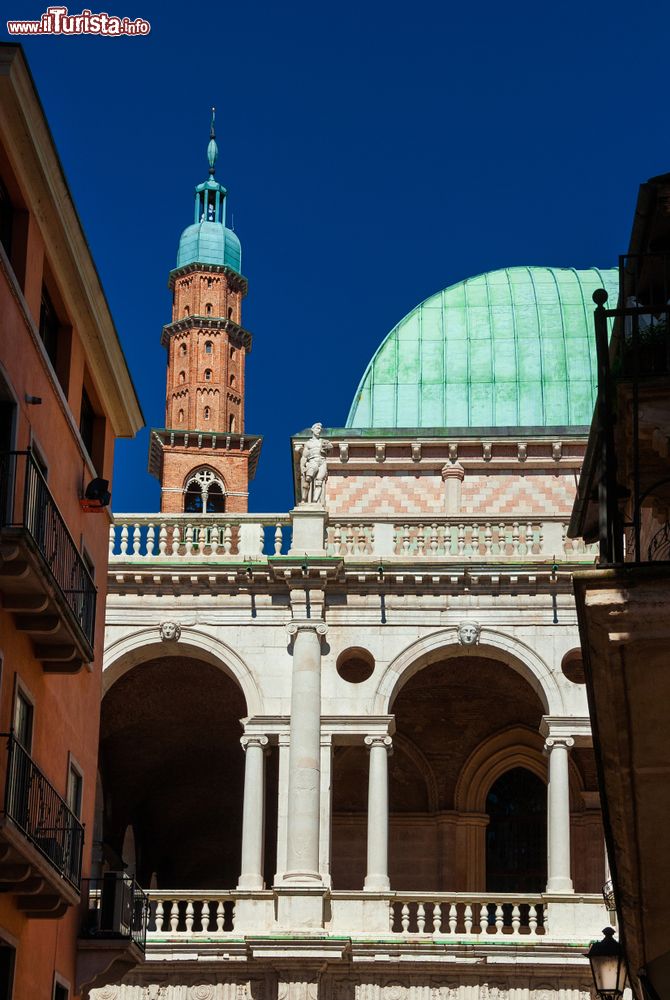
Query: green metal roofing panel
point(510, 348)
point(210, 243)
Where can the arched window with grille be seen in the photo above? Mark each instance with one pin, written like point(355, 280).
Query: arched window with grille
point(204, 493)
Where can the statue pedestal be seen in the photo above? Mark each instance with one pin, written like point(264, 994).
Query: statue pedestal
point(308, 521)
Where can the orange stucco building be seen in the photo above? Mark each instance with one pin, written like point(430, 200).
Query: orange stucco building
point(65, 396)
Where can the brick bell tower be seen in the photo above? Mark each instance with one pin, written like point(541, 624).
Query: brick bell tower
point(202, 457)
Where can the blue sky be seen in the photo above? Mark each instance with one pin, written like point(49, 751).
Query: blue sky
point(373, 153)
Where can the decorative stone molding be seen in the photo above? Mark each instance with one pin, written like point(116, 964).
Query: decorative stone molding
point(522, 451)
point(170, 631)
point(486, 451)
point(380, 452)
point(416, 451)
point(453, 470)
point(453, 452)
point(468, 633)
point(557, 451)
point(344, 451)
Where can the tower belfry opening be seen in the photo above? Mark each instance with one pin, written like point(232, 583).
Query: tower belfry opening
point(207, 348)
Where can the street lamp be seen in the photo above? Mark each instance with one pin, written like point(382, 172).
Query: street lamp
point(607, 966)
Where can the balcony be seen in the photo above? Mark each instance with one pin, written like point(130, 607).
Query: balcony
point(41, 840)
point(113, 935)
point(203, 922)
point(44, 580)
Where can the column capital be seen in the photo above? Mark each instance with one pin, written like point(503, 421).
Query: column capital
point(377, 740)
point(253, 740)
point(558, 741)
point(306, 625)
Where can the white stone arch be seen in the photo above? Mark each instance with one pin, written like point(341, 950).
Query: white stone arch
point(445, 645)
point(145, 644)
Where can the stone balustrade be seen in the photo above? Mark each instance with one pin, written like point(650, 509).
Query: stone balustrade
point(140, 537)
point(202, 915)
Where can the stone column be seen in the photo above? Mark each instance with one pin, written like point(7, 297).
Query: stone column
point(304, 777)
point(253, 810)
point(326, 806)
point(453, 475)
point(558, 815)
point(377, 878)
point(282, 806)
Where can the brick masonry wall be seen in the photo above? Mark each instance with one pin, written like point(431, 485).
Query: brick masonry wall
point(489, 492)
point(179, 463)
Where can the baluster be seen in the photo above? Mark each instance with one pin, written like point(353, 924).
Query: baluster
point(391, 917)
point(437, 918)
point(467, 918)
point(159, 916)
point(502, 539)
point(405, 539)
point(175, 539)
point(278, 540)
point(453, 918)
point(529, 537)
point(214, 539)
point(349, 542)
point(227, 539)
point(461, 539)
point(189, 915)
point(151, 537)
point(202, 539)
point(371, 538)
point(220, 916)
point(188, 538)
point(564, 538)
point(162, 539)
point(499, 918)
point(362, 539)
point(232, 915)
point(484, 918)
point(433, 540)
point(112, 538)
point(475, 539)
point(404, 918)
point(488, 538)
point(540, 538)
point(532, 919)
point(421, 918)
point(337, 540)
point(516, 919)
point(421, 541)
point(124, 540)
point(204, 916)
point(137, 538)
point(174, 915)
point(515, 538)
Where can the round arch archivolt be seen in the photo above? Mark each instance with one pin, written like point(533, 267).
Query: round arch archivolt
point(516, 746)
point(143, 645)
point(445, 645)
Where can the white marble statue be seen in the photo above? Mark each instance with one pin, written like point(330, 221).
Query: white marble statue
point(313, 466)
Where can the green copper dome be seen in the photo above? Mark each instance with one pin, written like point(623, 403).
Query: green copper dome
point(511, 348)
point(208, 240)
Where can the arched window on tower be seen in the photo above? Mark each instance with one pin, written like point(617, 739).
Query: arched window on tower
point(204, 493)
point(516, 837)
point(207, 412)
point(230, 312)
point(182, 377)
point(208, 374)
point(182, 350)
point(208, 308)
point(208, 347)
point(187, 311)
point(232, 353)
point(180, 417)
point(232, 379)
point(231, 423)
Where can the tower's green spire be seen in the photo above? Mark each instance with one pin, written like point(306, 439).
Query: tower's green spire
point(212, 149)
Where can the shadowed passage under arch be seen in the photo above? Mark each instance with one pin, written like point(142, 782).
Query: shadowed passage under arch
point(172, 768)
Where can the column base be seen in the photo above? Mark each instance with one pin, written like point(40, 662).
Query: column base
point(308, 879)
point(559, 885)
point(376, 883)
point(250, 883)
point(300, 907)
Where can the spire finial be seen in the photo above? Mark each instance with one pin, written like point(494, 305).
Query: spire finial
point(212, 149)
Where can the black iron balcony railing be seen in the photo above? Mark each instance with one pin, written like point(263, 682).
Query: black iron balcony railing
point(118, 908)
point(633, 390)
point(43, 816)
point(26, 502)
